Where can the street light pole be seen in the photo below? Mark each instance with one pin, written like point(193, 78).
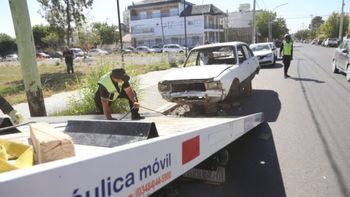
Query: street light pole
point(253, 23)
point(120, 35)
point(341, 22)
point(185, 29)
point(269, 25)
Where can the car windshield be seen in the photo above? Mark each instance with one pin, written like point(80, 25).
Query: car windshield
point(260, 47)
point(210, 56)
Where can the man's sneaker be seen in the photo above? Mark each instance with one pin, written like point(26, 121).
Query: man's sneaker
point(137, 117)
point(286, 76)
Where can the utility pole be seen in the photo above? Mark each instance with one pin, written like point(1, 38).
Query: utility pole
point(120, 35)
point(161, 25)
point(27, 55)
point(341, 23)
point(226, 26)
point(253, 23)
point(185, 29)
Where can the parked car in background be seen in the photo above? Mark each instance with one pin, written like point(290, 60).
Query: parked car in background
point(341, 59)
point(157, 49)
point(211, 74)
point(173, 48)
point(56, 54)
point(144, 49)
point(274, 49)
point(319, 41)
point(11, 57)
point(129, 49)
point(313, 42)
point(42, 55)
point(331, 42)
point(77, 52)
point(264, 53)
point(96, 52)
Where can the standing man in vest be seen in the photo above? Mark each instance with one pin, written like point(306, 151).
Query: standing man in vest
point(287, 51)
point(111, 86)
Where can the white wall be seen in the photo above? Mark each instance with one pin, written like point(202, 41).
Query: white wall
point(172, 26)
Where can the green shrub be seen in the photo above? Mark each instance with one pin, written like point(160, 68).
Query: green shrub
point(86, 103)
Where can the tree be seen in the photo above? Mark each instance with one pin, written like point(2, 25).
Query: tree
point(63, 15)
point(316, 22)
point(108, 33)
point(46, 37)
point(7, 44)
point(279, 26)
point(330, 28)
point(303, 34)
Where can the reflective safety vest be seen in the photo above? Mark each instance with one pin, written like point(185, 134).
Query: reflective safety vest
point(287, 48)
point(106, 81)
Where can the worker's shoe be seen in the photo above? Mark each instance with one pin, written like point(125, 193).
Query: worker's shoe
point(136, 116)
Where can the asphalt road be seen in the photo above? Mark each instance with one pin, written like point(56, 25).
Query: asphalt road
point(303, 149)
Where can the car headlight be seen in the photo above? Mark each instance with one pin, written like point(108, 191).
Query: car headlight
point(163, 87)
point(213, 85)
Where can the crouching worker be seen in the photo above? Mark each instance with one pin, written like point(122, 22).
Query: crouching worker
point(112, 86)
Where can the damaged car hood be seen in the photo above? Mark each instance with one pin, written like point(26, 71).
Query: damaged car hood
point(196, 72)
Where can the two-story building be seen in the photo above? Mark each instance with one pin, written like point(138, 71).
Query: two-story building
point(158, 22)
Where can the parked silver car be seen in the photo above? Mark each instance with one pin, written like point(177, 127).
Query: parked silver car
point(341, 59)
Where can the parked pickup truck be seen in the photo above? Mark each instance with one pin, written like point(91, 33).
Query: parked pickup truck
point(211, 74)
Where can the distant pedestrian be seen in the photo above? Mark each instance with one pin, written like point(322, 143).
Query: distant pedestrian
point(114, 85)
point(287, 52)
point(68, 58)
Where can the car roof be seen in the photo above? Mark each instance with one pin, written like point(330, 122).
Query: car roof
point(225, 44)
point(261, 43)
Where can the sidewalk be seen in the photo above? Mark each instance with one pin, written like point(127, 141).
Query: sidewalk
point(149, 96)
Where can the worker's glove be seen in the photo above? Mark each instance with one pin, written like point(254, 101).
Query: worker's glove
point(136, 105)
point(16, 117)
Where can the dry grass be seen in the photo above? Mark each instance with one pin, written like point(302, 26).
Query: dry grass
point(54, 78)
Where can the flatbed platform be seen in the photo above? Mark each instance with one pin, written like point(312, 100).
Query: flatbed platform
point(134, 169)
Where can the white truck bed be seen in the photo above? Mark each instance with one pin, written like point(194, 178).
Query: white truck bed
point(135, 169)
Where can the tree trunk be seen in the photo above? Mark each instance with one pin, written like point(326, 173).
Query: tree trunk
point(68, 33)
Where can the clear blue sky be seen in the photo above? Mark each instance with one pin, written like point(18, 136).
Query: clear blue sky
point(297, 13)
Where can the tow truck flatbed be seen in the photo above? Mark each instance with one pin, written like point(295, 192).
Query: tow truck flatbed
point(133, 169)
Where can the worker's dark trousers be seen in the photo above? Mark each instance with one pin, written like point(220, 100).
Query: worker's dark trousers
point(98, 103)
point(69, 63)
point(286, 62)
point(5, 107)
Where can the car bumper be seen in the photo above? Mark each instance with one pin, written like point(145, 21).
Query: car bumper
point(198, 97)
point(266, 61)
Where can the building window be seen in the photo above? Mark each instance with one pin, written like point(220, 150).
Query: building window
point(158, 41)
point(174, 12)
point(143, 15)
point(174, 40)
point(156, 14)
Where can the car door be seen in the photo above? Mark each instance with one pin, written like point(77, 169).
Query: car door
point(243, 64)
point(343, 55)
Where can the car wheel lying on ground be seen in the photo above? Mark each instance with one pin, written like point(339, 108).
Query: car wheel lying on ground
point(211, 74)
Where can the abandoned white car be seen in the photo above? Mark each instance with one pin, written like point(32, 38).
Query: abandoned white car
point(211, 74)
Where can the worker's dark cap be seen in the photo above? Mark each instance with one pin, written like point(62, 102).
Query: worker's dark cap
point(119, 73)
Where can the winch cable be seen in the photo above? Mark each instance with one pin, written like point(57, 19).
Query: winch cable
point(15, 126)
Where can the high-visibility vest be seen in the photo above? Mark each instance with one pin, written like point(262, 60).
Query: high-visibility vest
point(287, 48)
point(106, 81)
